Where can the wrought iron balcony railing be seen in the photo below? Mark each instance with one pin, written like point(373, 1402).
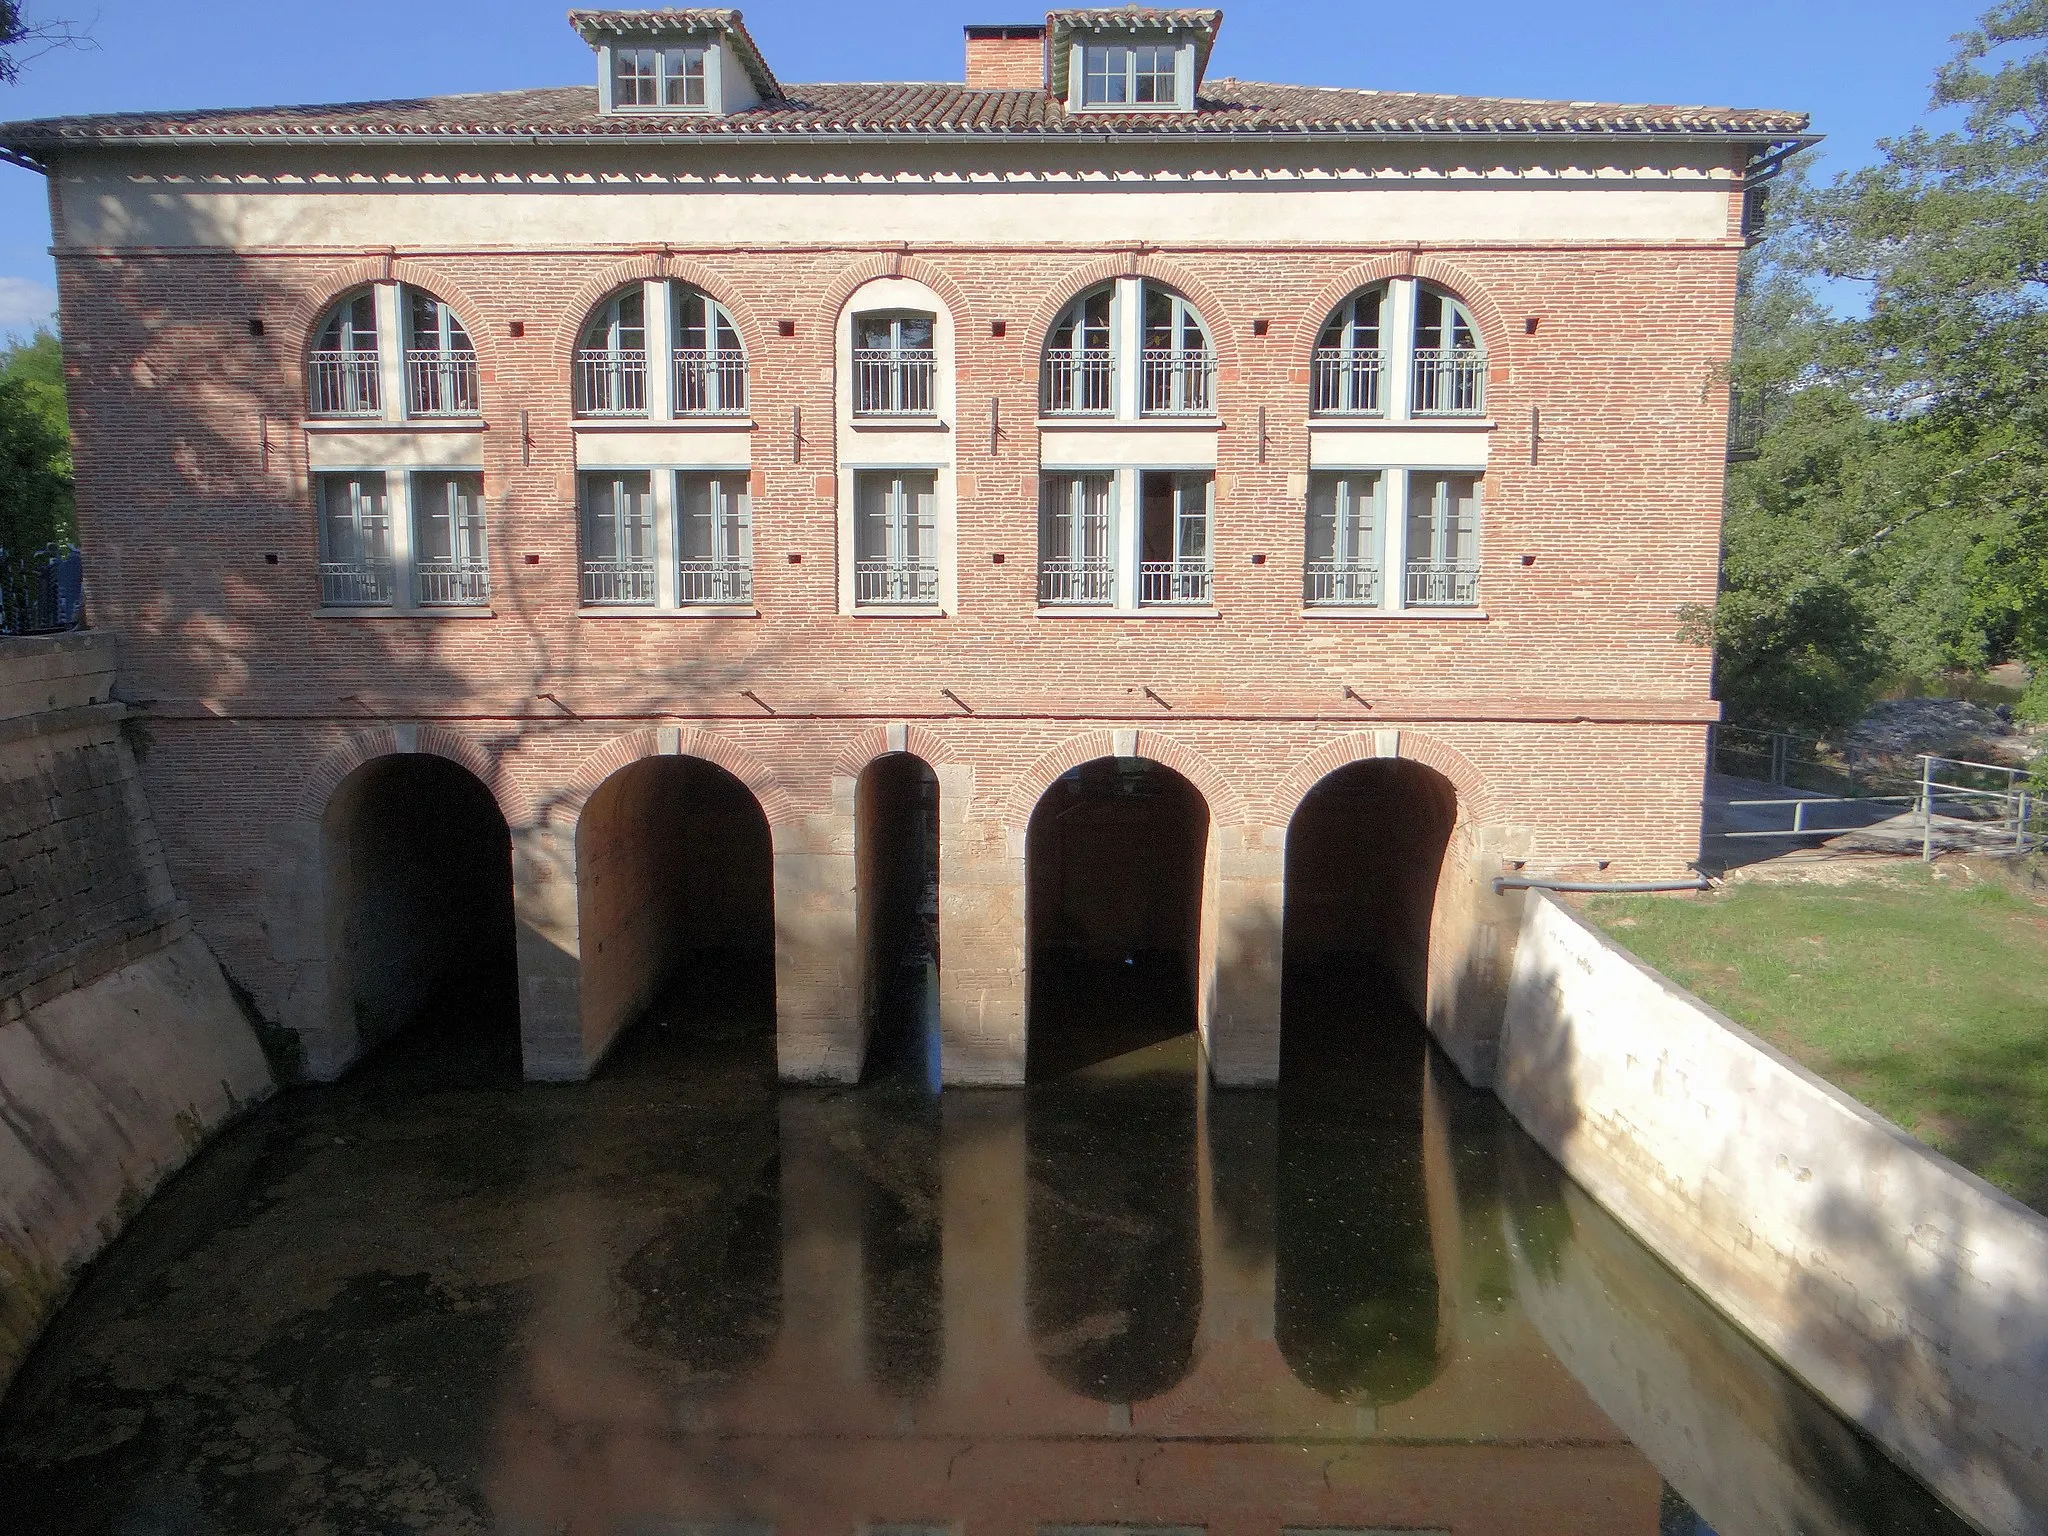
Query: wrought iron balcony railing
point(611, 383)
point(714, 581)
point(1443, 584)
point(1166, 582)
point(607, 582)
point(355, 583)
point(441, 383)
point(882, 582)
point(343, 384)
point(1342, 584)
point(1080, 384)
point(710, 383)
point(1449, 382)
point(452, 583)
point(1178, 383)
point(1089, 582)
point(892, 382)
point(1347, 383)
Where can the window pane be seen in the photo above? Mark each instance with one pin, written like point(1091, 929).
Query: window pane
point(633, 77)
point(1461, 539)
point(1193, 534)
point(872, 496)
point(1103, 79)
point(1323, 494)
point(1153, 74)
point(699, 533)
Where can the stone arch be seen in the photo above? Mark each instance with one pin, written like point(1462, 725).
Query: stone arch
point(832, 303)
point(1460, 284)
point(514, 804)
point(1226, 806)
point(873, 742)
point(757, 776)
point(1214, 310)
point(1476, 805)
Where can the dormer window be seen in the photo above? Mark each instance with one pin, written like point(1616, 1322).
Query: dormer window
point(1129, 60)
point(659, 77)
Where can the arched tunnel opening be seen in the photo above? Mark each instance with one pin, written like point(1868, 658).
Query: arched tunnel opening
point(675, 885)
point(896, 880)
point(1114, 862)
point(418, 866)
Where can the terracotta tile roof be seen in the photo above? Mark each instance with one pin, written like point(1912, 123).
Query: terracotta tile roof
point(1225, 106)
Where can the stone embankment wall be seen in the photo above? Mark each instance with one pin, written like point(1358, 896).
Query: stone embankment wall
point(121, 1046)
point(1910, 1294)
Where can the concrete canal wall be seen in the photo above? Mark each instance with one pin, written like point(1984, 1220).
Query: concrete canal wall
point(1910, 1294)
point(121, 1046)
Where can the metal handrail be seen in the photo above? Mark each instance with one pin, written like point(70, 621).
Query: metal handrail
point(441, 383)
point(623, 582)
point(1080, 383)
point(894, 381)
point(1449, 381)
point(1443, 584)
point(1178, 381)
point(1342, 583)
point(355, 583)
point(344, 384)
point(1347, 382)
point(714, 581)
point(882, 582)
point(452, 583)
point(611, 383)
point(1168, 582)
point(1091, 582)
point(710, 382)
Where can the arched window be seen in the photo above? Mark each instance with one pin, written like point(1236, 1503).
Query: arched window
point(1349, 358)
point(1180, 370)
point(1450, 364)
point(710, 363)
point(1080, 358)
point(893, 363)
point(611, 358)
point(342, 372)
point(440, 360)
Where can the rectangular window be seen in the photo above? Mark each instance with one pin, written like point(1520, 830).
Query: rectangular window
point(894, 364)
point(355, 541)
point(634, 75)
point(896, 537)
point(1076, 530)
point(1105, 75)
point(450, 566)
point(1443, 541)
point(1120, 75)
point(1346, 514)
point(715, 539)
point(682, 77)
point(1174, 537)
point(1153, 75)
point(618, 537)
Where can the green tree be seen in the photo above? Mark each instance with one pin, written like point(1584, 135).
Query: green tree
point(36, 500)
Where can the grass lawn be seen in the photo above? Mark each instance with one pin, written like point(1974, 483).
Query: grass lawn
point(1924, 996)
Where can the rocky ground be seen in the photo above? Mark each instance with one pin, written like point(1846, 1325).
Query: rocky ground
point(1897, 730)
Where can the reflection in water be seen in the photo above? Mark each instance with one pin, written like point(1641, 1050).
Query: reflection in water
point(1114, 1265)
point(678, 1297)
point(1355, 1284)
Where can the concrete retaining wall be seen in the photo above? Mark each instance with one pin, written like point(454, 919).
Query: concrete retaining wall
point(121, 1046)
point(1910, 1294)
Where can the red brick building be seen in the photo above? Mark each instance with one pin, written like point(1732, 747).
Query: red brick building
point(684, 490)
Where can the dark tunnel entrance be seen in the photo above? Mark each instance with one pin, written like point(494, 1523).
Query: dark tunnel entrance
point(896, 880)
point(1364, 851)
point(1114, 862)
point(419, 909)
point(675, 882)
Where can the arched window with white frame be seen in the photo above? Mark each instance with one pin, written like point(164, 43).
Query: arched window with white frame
point(1080, 358)
point(440, 359)
point(611, 357)
point(1450, 362)
point(1179, 376)
point(710, 362)
point(1350, 360)
point(343, 371)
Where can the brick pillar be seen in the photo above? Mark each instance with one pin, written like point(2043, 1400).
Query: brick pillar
point(553, 1044)
point(981, 942)
point(820, 1035)
point(1242, 1017)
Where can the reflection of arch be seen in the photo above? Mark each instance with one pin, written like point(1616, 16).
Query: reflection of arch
point(736, 760)
point(1226, 805)
point(1113, 1267)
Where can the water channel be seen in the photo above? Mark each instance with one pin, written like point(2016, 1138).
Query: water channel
point(681, 1299)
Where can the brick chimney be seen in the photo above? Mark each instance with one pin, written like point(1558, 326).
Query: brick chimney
point(1006, 58)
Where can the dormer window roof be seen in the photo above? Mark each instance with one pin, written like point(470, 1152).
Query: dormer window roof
point(675, 61)
point(1135, 59)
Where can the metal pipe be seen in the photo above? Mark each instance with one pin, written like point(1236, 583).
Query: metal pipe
point(1600, 887)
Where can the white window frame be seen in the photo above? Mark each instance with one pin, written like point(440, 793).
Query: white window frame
point(1439, 532)
point(465, 581)
point(1083, 51)
point(1355, 543)
point(651, 526)
point(899, 522)
point(400, 515)
point(731, 526)
point(1062, 499)
point(666, 78)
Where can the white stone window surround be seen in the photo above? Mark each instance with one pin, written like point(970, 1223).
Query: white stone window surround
point(665, 493)
point(916, 445)
point(1127, 351)
point(727, 87)
point(1127, 532)
point(1407, 458)
point(398, 472)
point(659, 343)
point(393, 337)
point(1084, 47)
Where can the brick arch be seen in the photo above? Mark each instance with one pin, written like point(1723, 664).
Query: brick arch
point(854, 278)
point(576, 308)
point(873, 742)
point(620, 751)
point(310, 306)
point(1475, 800)
point(1460, 284)
point(1226, 805)
point(514, 804)
point(1207, 301)
point(467, 306)
point(684, 269)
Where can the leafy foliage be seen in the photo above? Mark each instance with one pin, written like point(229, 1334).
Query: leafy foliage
point(36, 501)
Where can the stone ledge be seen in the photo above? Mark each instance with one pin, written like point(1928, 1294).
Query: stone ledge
point(86, 963)
point(50, 723)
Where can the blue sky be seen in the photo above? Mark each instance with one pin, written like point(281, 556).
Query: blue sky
point(1861, 67)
